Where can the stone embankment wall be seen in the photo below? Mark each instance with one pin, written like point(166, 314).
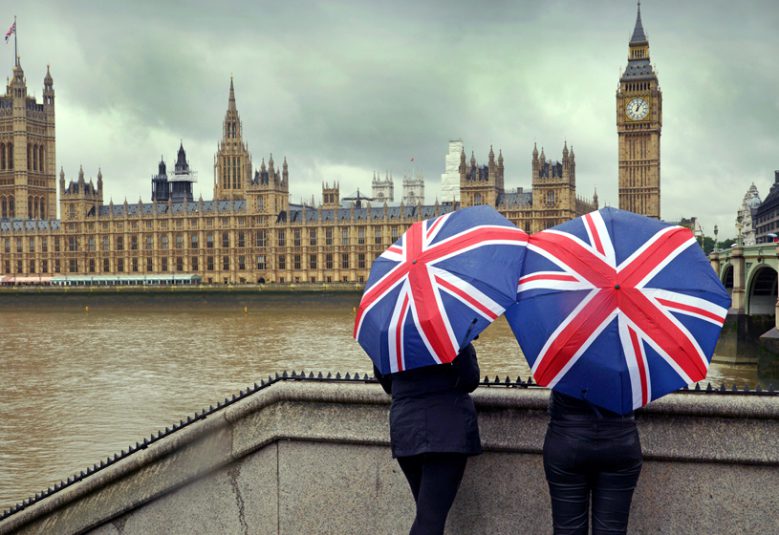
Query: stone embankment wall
point(309, 457)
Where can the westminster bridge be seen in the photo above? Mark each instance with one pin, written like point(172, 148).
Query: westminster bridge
point(750, 335)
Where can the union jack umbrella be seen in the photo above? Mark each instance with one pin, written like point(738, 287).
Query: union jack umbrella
point(617, 309)
point(442, 283)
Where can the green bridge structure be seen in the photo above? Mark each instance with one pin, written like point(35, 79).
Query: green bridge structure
point(751, 331)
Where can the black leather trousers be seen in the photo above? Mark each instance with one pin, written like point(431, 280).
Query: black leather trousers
point(589, 459)
point(434, 479)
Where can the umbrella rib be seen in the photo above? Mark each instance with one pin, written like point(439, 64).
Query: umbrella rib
point(467, 294)
point(668, 336)
point(568, 342)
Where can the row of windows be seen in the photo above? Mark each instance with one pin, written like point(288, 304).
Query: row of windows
point(179, 264)
point(6, 156)
point(240, 240)
point(35, 154)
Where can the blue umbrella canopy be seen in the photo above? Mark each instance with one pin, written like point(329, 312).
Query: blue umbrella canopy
point(617, 309)
point(442, 283)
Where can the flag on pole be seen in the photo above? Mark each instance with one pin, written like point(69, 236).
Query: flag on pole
point(10, 32)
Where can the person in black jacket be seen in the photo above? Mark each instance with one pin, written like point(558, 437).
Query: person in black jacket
point(591, 455)
point(433, 430)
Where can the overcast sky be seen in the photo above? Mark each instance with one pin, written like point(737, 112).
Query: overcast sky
point(343, 88)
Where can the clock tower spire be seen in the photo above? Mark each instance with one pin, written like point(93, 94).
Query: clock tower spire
point(639, 122)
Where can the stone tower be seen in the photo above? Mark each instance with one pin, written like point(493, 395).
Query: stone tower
point(554, 188)
point(639, 121)
point(413, 190)
point(268, 191)
point(331, 196)
point(383, 190)
point(481, 184)
point(80, 198)
point(232, 163)
point(28, 186)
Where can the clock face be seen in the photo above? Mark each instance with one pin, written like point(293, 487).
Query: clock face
point(637, 109)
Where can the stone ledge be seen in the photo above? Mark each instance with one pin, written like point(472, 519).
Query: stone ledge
point(729, 430)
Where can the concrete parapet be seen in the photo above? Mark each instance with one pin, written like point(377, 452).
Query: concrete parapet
point(313, 457)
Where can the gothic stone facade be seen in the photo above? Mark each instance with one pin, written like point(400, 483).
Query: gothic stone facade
point(552, 201)
point(250, 232)
point(639, 121)
point(27, 155)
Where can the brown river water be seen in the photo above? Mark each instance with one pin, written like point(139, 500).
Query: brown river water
point(78, 385)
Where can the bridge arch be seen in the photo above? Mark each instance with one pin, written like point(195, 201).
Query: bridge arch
point(726, 277)
point(761, 294)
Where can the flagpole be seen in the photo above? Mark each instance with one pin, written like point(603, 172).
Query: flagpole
point(16, 49)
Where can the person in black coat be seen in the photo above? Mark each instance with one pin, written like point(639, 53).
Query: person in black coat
point(433, 431)
point(591, 456)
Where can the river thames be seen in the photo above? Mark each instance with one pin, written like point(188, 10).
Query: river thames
point(78, 384)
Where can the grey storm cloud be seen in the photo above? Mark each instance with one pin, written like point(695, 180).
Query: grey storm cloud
point(345, 88)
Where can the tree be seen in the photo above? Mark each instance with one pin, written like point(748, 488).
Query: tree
point(708, 244)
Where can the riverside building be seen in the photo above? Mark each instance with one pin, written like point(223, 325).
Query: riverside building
point(250, 232)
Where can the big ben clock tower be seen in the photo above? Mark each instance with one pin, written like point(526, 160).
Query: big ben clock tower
point(639, 121)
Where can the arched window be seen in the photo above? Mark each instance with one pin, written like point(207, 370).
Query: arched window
point(42, 211)
point(41, 166)
point(29, 158)
point(10, 147)
point(11, 207)
point(2, 155)
point(29, 208)
point(35, 157)
point(3, 207)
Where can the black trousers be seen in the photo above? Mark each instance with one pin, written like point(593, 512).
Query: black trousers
point(434, 479)
point(598, 462)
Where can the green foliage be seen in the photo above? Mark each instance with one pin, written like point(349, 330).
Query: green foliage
point(708, 244)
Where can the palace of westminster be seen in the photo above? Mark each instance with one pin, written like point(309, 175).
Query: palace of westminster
point(250, 232)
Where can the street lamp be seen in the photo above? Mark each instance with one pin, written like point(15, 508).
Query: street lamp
point(716, 231)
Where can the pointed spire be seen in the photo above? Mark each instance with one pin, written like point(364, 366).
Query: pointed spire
point(543, 156)
point(638, 31)
point(80, 174)
point(535, 150)
point(48, 80)
point(500, 157)
point(231, 100)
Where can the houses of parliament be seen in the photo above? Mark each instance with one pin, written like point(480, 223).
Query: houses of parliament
point(250, 232)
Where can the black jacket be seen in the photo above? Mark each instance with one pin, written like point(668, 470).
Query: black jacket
point(431, 410)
